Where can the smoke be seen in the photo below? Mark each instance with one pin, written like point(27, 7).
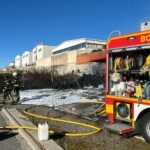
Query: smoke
point(96, 68)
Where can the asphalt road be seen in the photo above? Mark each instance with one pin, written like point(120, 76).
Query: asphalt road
point(8, 139)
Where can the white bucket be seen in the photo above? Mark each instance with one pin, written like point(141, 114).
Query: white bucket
point(43, 133)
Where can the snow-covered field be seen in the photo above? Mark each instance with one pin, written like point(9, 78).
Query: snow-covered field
point(53, 97)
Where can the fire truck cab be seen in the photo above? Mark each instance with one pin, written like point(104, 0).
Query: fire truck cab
point(128, 83)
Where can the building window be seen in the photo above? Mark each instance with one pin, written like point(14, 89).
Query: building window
point(89, 45)
point(84, 45)
point(95, 46)
point(76, 47)
point(40, 50)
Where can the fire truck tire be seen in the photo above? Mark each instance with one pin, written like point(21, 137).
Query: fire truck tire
point(145, 127)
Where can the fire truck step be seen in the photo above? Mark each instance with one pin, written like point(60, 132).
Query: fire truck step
point(119, 128)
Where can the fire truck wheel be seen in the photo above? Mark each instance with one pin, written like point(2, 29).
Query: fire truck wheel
point(145, 127)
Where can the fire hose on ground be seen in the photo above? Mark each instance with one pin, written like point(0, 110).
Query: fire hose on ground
point(96, 129)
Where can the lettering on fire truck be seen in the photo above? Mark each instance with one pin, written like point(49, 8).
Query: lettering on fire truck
point(145, 38)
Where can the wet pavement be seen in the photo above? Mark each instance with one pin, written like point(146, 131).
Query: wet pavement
point(8, 138)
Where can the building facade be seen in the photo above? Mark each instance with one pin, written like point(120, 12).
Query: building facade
point(34, 55)
point(44, 51)
point(42, 55)
point(41, 51)
point(27, 59)
point(64, 58)
point(44, 63)
point(82, 45)
point(64, 62)
point(18, 61)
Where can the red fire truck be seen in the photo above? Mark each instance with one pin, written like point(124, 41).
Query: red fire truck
point(128, 83)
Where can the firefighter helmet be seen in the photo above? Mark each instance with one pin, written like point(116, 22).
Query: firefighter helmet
point(15, 74)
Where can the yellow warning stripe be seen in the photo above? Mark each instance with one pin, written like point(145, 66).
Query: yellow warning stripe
point(109, 109)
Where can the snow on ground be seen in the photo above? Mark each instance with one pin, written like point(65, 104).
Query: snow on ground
point(52, 97)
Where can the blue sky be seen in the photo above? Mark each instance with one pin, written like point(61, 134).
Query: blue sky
point(25, 23)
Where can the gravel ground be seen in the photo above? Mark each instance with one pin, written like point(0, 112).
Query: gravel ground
point(103, 140)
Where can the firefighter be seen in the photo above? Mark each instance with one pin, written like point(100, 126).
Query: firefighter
point(7, 90)
point(16, 87)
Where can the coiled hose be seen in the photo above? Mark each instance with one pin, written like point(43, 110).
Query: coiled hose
point(96, 129)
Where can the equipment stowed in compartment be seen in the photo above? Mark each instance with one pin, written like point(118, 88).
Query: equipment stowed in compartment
point(146, 67)
point(129, 62)
point(139, 61)
point(147, 90)
point(136, 69)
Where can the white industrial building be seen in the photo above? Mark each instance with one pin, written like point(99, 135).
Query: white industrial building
point(64, 55)
point(27, 59)
point(34, 55)
point(18, 61)
point(82, 45)
point(64, 58)
point(41, 51)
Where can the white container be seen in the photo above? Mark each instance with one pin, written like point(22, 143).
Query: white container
point(122, 86)
point(43, 133)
